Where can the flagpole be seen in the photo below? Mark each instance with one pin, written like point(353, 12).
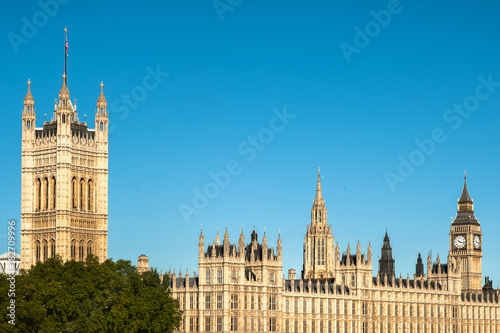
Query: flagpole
point(65, 57)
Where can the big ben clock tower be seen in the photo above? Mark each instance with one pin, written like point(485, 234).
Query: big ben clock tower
point(466, 242)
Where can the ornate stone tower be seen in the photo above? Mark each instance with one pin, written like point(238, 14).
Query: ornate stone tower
point(64, 196)
point(319, 256)
point(386, 261)
point(466, 242)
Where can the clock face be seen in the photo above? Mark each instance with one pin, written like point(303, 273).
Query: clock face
point(477, 242)
point(459, 242)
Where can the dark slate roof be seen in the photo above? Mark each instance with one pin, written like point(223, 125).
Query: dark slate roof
point(219, 250)
point(321, 286)
point(343, 261)
point(181, 282)
point(465, 218)
point(465, 197)
point(444, 268)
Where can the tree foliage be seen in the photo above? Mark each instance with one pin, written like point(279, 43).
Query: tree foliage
point(89, 297)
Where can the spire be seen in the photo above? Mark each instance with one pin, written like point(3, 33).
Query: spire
point(386, 261)
point(217, 239)
point(319, 195)
point(465, 202)
point(28, 97)
point(65, 56)
point(101, 99)
point(226, 235)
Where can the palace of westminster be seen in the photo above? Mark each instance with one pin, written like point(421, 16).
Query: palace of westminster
point(240, 287)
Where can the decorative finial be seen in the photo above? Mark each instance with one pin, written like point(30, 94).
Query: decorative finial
point(65, 30)
point(85, 118)
point(45, 117)
point(465, 173)
point(29, 83)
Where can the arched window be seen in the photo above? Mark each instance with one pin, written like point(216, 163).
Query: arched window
point(28, 123)
point(81, 248)
point(52, 248)
point(37, 250)
point(208, 276)
point(45, 194)
point(38, 194)
point(89, 247)
point(219, 276)
point(53, 187)
point(74, 193)
point(82, 194)
point(45, 250)
point(73, 249)
point(63, 117)
point(90, 195)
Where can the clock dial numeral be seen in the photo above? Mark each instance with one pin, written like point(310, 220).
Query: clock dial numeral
point(477, 242)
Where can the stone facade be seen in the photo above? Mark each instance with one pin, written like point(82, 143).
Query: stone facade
point(64, 199)
point(240, 289)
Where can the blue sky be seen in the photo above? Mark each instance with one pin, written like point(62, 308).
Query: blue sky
point(270, 92)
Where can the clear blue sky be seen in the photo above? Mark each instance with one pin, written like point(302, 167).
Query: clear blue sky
point(359, 103)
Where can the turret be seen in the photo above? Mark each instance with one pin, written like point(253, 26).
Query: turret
point(241, 245)
point(264, 247)
point(279, 248)
point(201, 245)
point(29, 116)
point(419, 267)
point(386, 261)
point(369, 254)
point(226, 244)
point(102, 117)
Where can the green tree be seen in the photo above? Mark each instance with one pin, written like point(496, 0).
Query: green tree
point(90, 297)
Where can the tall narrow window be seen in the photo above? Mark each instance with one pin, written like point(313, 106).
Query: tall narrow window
point(53, 191)
point(52, 248)
point(74, 193)
point(80, 252)
point(45, 194)
point(38, 194)
point(319, 217)
point(207, 276)
point(219, 276)
point(37, 249)
point(45, 250)
point(90, 197)
point(82, 192)
point(89, 247)
point(73, 250)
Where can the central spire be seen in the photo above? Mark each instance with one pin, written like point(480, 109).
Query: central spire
point(318, 201)
point(465, 203)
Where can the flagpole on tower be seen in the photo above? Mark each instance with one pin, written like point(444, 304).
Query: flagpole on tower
point(65, 57)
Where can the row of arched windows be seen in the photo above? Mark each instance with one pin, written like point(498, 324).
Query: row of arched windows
point(82, 194)
point(45, 249)
point(45, 193)
point(80, 250)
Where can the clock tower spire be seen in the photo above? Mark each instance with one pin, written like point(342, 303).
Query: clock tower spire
point(465, 241)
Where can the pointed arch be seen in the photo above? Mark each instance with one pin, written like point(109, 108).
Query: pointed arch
point(45, 246)
point(37, 251)
point(83, 187)
point(45, 194)
point(90, 244)
point(53, 192)
point(52, 248)
point(74, 193)
point(73, 249)
point(90, 195)
point(81, 250)
point(38, 195)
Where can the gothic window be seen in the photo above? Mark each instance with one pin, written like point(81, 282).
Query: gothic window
point(234, 301)
point(272, 277)
point(80, 251)
point(207, 324)
point(28, 123)
point(52, 248)
point(90, 195)
point(207, 276)
point(234, 324)
point(321, 251)
point(319, 217)
point(45, 250)
point(207, 302)
point(37, 249)
point(45, 193)
point(272, 302)
point(219, 324)
point(89, 247)
point(353, 280)
point(219, 300)
point(74, 193)
point(53, 191)
point(219, 276)
point(73, 250)
point(38, 194)
point(234, 274)
point(82, 193)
